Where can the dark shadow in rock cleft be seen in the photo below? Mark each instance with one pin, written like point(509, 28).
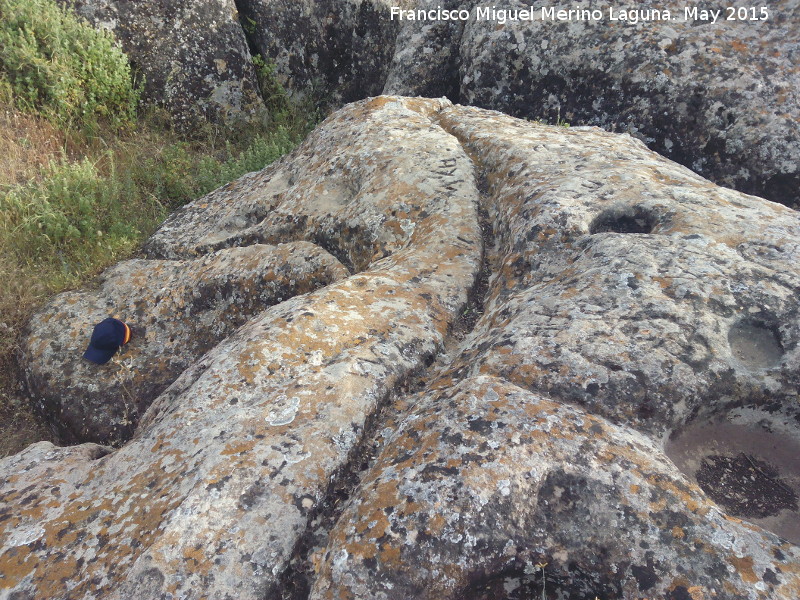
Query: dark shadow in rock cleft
point(624, 219)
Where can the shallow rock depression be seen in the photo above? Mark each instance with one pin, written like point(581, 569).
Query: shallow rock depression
point(634, 366)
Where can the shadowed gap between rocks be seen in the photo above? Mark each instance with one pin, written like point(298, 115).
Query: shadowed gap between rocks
point(295, 582)
point(242, 14)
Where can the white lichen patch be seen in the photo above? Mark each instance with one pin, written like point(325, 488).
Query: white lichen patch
point(284, 411)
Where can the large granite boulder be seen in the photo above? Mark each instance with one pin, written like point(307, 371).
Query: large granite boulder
point(193, 56)
point(716, 94)
point(628, 284)
point(720, 98)
point(177, 311)
point(489, 491)
point(335, 50)
point(212, 494)
point(532, 315)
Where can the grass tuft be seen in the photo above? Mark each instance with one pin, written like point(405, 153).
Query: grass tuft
point(84, 179)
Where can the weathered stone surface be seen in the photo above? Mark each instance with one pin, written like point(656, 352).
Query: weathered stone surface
point(215, 489)
point(177, 310)
point(720, 98)
point(623, 279)
point(628, 301)
point(193, 55)
point(485, 488)
point(427, 57)
point(340, 50)
point(628, 285)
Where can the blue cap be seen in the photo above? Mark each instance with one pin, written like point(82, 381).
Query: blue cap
point(107, 337)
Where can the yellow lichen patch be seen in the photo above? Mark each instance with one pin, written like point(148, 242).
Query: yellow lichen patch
point(696, 592)
point(663, 282)
point(390, 556)
point(238, 447)
point(680, 494)
point(659, 505)
point(16, 564)
point(377, 103)
point(738, 45)
point(744, 566)
point(359, 551)
point(195, 555)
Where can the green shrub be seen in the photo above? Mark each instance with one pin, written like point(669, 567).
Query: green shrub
point(62, 67)
point(83, 212)
point(275, 96)
point(74, 215)
point(180, 173)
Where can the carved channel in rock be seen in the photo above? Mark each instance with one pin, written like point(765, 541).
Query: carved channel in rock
point(747, 463)
point(296, 581)
point(624, 219)
point(755, 344)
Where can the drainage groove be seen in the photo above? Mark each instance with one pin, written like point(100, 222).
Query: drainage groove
point(296, 581)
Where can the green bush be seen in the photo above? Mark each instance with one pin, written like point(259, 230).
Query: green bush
point(63, 68)
point(83, 211)
point(179, 173)
point(74, 214)
point(275, 96)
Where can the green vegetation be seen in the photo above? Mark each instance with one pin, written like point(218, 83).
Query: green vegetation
point(85, 177)
point(63, 68)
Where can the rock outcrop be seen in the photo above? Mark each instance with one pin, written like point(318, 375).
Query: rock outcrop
point(192, 55)
point(487, 491)
point(177, 310)
point(336, 50)
point(618, 301)
point(719, 96)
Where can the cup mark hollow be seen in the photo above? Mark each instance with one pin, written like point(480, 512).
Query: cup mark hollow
point(746, 461)
point(624, 219)
point(755, 344)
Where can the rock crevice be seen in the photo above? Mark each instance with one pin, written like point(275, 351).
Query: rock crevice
point(625, 300)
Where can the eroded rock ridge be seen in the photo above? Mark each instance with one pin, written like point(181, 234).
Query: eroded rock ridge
point(628, 300)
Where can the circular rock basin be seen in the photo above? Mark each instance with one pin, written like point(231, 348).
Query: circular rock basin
point(748, 462)
point(755, 345)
